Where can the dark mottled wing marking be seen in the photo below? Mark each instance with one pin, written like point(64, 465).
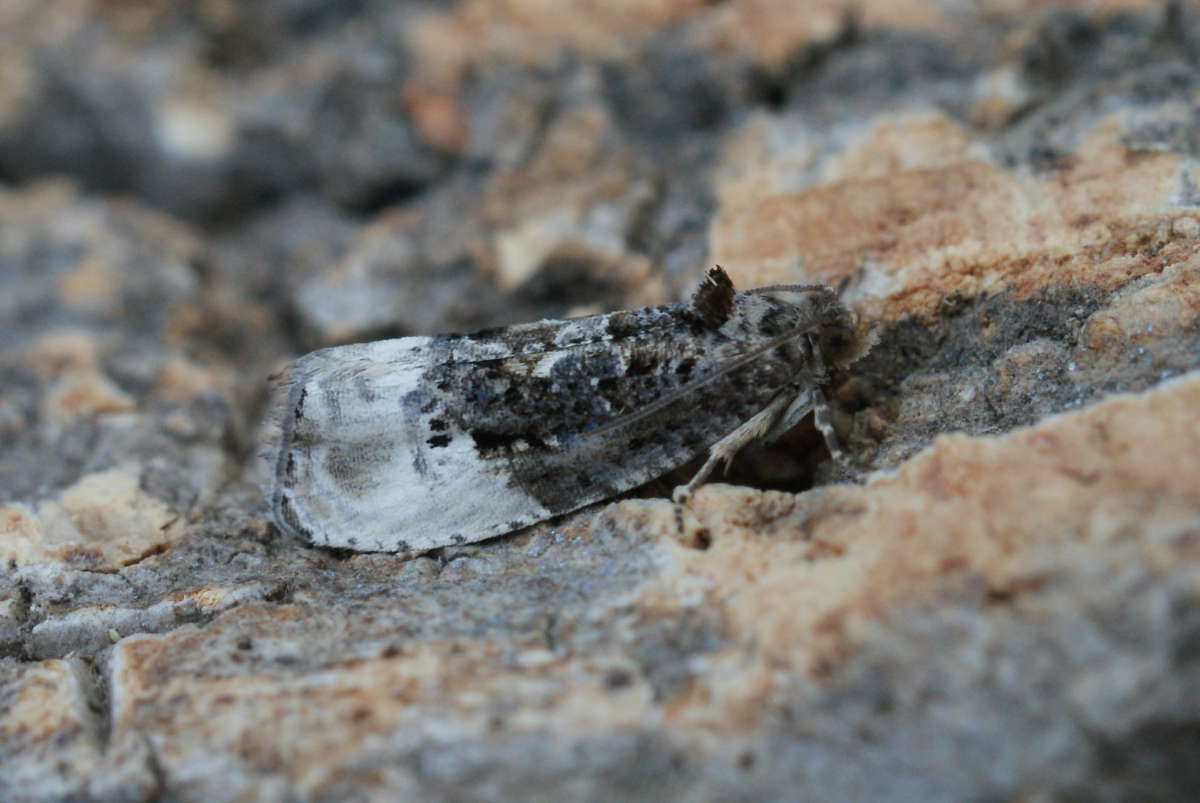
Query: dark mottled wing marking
point(717, 373)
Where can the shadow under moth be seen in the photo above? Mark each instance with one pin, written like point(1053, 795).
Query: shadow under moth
point(422, 442)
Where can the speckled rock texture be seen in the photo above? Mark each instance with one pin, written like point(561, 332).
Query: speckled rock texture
point(998, 600)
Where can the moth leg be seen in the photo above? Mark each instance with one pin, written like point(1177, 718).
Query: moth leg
point(823, 418)
point(801, 405)
point(755, 428)
point(812, 400)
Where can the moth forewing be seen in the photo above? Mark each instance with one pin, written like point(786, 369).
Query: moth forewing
point(417, 443)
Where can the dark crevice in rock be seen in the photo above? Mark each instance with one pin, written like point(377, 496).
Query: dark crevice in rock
point(565, 281)
point(98, 693)
point(987, 365)
point(773, 89)
point(154, 762)
point(670, 94)
point(882, 69)
point(1156, 761)
point(928, 377)
point(14, 634)
point(372, 200)
point(59, 634)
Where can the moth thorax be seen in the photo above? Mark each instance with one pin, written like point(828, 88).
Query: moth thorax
point(795, 351)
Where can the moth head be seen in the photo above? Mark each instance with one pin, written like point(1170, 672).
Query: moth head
point(843, 338)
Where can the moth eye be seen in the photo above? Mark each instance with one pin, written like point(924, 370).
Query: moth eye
point(836, 343)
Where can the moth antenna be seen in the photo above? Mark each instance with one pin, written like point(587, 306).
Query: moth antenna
point(790, 288)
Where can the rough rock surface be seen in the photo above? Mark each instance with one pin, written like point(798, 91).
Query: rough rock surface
point(999, 600)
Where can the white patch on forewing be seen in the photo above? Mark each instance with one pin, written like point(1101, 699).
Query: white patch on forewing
point(409, 495)
point(545, 366)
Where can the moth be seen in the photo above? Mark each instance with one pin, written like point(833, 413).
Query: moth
point(422, 442)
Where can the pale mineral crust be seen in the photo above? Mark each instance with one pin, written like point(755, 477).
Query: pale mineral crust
point(997, 598)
